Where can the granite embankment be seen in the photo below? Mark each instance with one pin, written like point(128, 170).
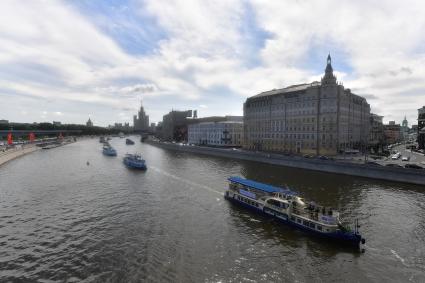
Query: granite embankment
point(413, 176)
point(16, 152)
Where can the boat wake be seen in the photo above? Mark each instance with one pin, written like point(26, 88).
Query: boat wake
point(185, 180)
point(398, 257)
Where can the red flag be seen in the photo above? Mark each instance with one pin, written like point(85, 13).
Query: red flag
point(32, 137)
point(60, 136)
point(9, 139)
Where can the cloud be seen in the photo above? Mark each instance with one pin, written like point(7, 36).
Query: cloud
point(189, 53)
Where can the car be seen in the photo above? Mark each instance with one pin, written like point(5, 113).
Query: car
point(396, 156)
point(323, 157)
point(307, 156)
point(413, 166)
point(394, 165)
point(373, 163)
point(405, 158)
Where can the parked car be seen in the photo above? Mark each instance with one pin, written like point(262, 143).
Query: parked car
point(323, 157)
point(373, 163)
point(394, 165)
point(405, 158)
point(396, 156)
point(413, 166)
point(307, 156)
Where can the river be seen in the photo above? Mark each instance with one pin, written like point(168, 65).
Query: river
point(71, 214)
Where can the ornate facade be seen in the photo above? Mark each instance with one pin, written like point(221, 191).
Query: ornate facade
point(314, 118)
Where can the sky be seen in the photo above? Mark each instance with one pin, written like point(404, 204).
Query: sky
point(70, 60)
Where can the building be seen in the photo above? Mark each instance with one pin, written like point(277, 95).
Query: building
point(152, 128)
point(57, 123)
point(121, 127)
point(224, 133)
point(421, 128)
point(315, 118)
point(4, 122)
point(89, 123)
point(174, 125)
point(376, 133)
point(404, 129)
point(141, 121)
point(392, 133)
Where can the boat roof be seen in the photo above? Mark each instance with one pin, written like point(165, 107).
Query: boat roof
point(260, 186)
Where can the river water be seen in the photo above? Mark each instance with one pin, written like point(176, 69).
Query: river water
point(62, 220)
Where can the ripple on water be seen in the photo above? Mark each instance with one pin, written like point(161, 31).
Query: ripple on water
point(66, 221)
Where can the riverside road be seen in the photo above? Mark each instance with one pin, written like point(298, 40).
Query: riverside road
point(71, 214)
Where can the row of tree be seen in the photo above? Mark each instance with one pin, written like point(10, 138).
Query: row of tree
point(79, 129)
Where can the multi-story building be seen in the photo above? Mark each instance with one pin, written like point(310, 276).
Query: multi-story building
point(376, 133)
point(421, 128)
point(224, 133)
point(141, 121)
point(316, 118)
point(89, 123)
point(392, 132)
point(404, 129)
point(174, 125)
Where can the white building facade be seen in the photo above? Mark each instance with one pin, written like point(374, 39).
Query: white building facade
point(223, 134)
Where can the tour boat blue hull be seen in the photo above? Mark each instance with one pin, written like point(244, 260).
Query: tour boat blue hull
point(135, 165)
point(110, 153)
point(350, 239)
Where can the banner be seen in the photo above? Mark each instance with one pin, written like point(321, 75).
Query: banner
point(9, 139)
point(31, 137)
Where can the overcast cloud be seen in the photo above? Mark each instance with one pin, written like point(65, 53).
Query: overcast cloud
point(70, 60)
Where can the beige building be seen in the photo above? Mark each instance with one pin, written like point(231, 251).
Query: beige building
point(315, 118)
point(392, 132)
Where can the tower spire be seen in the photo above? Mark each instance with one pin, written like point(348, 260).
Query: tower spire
point(329, 77)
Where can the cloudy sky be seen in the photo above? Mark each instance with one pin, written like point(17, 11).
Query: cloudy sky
point(70, 60)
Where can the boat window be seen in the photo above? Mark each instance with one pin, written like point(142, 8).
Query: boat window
point(312, 225)
point(306, 223)
point(319, 227)
point(292, 218)
point(298, 220)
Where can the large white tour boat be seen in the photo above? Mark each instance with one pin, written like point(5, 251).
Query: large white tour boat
point(286, 206)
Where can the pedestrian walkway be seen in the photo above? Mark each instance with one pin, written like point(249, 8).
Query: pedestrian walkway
point(16, 152)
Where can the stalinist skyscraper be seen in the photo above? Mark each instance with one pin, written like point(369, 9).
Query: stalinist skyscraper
point(141, 121)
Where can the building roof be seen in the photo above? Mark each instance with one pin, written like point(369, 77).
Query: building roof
point(292, 88)
point(258, 185)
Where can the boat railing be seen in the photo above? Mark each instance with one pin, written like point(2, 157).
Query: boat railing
point(316, 215)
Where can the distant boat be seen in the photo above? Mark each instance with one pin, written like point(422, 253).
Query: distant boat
point(109, 151)
point(121, 134)
point(129, 141)
point(134, 161)
point(102, 139)
point(143, 138)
